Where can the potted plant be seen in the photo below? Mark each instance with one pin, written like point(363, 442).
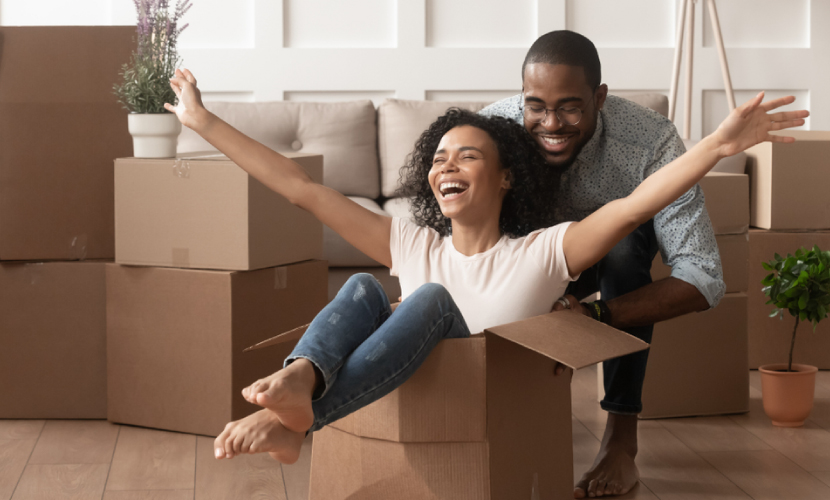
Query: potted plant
point(146, 79)
point(800, 285)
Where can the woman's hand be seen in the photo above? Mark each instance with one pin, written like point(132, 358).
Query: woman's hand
point(190, 110)
point(751, 124)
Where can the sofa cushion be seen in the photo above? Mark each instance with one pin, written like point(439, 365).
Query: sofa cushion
point(341, 253)
point(657, 102)
point(400, 123)
point(398, 207)
point(345, 133)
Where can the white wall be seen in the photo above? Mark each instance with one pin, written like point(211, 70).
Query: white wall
point(258, 50)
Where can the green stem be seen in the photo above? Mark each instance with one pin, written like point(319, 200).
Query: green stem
point(792, 345)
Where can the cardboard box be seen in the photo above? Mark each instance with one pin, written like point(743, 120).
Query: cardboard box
point(734, 256)
point(53, 340)
point(483, 418)
point(789, 182)
point(202, 211)
point(769, 338)
point(60, 129)
point(727, 201)
point(175, 339)
point(697, 364)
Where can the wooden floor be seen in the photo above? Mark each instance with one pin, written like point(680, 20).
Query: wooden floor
point(728, 457)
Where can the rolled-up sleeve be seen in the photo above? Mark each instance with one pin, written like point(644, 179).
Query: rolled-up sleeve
point(684, 231)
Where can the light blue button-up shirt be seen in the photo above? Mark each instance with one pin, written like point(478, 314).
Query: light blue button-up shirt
point(630, 143)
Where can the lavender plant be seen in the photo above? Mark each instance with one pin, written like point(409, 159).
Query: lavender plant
point(146, 87)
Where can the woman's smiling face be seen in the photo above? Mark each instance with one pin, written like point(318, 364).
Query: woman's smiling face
point(466, 176)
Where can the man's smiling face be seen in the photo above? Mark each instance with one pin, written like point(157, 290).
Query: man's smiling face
point(555, 86)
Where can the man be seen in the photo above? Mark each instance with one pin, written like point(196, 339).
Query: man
point(605, 146)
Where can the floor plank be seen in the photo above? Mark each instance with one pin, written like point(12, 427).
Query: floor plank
point(586, 446)
point(768, 475)
point(20, 429)
point(298, 474)
point(704, 434)
point(672, 471)
point(807, 446)
point(75, 442)
point(149, 495)
point(147, 459)
point(14, 453)
point(59, 482)
point(241, 478)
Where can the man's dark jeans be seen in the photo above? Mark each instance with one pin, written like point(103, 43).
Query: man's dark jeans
point(626, 268)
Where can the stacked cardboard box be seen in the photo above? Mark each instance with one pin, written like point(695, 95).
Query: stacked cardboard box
point(789, 210)
point(698, 362)
point(228, 263)
point(60, 128)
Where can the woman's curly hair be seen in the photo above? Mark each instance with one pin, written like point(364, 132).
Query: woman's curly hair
point(527, 206)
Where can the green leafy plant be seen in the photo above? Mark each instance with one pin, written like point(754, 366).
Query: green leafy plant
point(799, 284)
point(146, 86)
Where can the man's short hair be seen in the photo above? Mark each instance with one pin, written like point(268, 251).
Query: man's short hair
point(566, 47)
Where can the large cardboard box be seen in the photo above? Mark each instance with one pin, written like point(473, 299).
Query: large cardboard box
point(769, 338)
point(727, 201)
point(53, 340)
point(697, 364)
point(202, 211)
point(734, 256)
point(60, 129)
point(175, 339)
point(789, 182)
point(483, 418)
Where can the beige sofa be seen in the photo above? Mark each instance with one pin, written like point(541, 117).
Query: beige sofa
point(363, 150)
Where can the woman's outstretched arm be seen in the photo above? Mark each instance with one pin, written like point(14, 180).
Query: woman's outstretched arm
point(587, 241)
point(367, 231)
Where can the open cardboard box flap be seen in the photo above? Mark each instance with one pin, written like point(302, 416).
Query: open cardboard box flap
point(575, 341)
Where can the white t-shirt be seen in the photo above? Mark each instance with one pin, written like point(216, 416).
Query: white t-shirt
point(515, 279)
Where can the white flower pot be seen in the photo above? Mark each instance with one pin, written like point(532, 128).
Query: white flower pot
point(155, 135)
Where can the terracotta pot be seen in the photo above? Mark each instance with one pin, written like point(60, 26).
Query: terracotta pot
point(788, 396)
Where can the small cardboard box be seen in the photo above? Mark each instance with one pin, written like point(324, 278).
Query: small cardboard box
point(483, 418)
point(175, 339)
point(697, 364)
point(789, 182)
point(53, 340)
point(734, 256)
point(202, 211)
point(769, 338)
point(727, 201)
point(60, 129)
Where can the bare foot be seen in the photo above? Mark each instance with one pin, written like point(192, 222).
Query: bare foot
point(614, 471)
point(288, 394)
point(259, 433)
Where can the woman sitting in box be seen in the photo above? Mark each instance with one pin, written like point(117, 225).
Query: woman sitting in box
point(478, 254)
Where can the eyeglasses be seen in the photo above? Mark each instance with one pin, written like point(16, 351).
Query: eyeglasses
point(537, 114)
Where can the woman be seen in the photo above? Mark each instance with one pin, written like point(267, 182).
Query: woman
point(472, 266)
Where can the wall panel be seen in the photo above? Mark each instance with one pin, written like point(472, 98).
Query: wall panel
point(624, 23)
point(761, 24)
point(261, 50)
point(480, 23)
point(353, 23)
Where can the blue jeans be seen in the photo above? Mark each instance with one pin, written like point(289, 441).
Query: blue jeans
point(364, 351)
point(626, 268)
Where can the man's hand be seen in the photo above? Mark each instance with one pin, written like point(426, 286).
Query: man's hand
point(575, 308)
